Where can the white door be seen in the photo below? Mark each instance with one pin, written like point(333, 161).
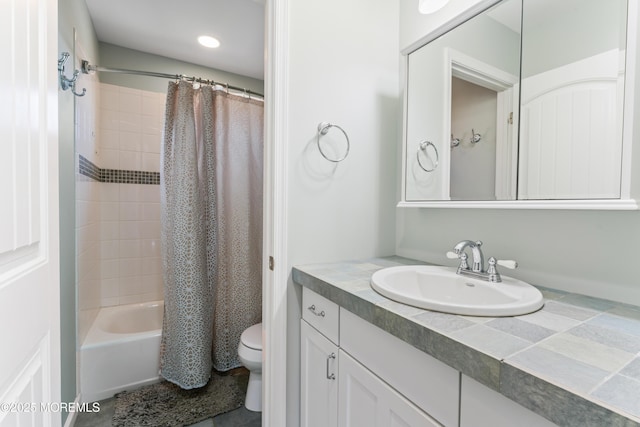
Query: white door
point(319, 382)
point(29, 254)
point(571, 130)
point(366, 400)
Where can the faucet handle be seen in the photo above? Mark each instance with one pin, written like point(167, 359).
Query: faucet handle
point(508, 263)
point(463, 259)
point(492, 272)
point(452, 255)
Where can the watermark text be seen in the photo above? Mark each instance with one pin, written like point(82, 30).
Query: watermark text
point(49, 407)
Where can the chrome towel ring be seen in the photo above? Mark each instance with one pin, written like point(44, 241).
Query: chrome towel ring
point(323, 129)
point(423, 147)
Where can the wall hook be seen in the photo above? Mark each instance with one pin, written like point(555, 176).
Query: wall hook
point(475, 137)
point(65, 82)
point(454, 141)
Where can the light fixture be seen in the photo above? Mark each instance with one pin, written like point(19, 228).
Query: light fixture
point(208, 41)
point(430, 6)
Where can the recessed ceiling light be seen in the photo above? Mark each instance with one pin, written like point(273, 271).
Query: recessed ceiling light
point(208, 41)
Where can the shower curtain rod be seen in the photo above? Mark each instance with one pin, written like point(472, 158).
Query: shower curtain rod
point(87, 68)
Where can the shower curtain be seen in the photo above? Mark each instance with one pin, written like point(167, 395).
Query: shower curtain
point(211, 204)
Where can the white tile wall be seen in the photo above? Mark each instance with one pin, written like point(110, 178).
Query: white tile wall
point(130, 139)
point(117, 225)
point(131, 128)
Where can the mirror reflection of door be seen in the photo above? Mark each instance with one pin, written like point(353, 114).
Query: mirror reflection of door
point(484, 102)
point(482, 55)
point(573, 67)
point(473, 146)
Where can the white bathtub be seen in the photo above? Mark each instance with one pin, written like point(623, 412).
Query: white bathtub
point(121, 350)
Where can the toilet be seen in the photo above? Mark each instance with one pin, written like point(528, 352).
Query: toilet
point(250, 355)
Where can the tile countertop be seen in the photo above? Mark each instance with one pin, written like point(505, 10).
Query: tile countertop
point(576, 361)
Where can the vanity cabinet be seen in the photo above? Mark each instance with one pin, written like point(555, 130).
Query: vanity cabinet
point(365, 376)
point(319, 382)
point(366, 400)
point(319, 365)
point(483, 407)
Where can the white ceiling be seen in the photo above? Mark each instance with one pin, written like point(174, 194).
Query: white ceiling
point(170, 28)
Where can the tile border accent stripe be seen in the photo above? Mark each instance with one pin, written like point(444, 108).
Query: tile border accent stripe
point(118, 176)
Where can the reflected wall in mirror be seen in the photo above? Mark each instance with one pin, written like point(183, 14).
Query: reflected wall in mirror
point(573, 68)
point(552, 130)
point(462, 96)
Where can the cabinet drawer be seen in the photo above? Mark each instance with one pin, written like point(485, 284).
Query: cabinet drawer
point(322, 314)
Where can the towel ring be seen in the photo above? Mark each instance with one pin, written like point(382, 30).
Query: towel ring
point(423, 147)
point(323, 129)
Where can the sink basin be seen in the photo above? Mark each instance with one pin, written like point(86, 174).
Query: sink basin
point(441, 289)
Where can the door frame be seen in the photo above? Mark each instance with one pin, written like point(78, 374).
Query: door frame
point(275, 271)
point(465, 67)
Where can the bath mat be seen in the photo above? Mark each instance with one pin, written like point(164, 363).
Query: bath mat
point(165, 404)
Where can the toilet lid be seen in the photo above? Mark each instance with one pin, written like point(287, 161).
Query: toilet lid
point(252, 337)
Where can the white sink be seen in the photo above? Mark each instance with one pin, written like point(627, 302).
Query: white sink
point(441, 289)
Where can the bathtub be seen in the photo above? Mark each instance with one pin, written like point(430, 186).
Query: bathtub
point(121, 350)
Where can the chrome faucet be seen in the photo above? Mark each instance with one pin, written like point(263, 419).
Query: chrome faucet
point(478, 259)
point(477, 269)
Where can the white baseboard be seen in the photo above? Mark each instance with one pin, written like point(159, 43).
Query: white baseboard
point(71, 418)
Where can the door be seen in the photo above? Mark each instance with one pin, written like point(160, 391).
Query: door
point(571, 130)
point(29, 254)
point(365, 400)
point(319, 379)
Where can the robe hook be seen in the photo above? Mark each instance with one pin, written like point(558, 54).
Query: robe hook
point(65, 82)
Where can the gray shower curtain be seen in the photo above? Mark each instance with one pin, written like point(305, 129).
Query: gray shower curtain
point(211, 204)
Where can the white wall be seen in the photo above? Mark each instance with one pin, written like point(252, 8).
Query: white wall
point(87, 202)
point(73, 17)
point(588, 252)
point(343, 69)
point(473, 165)
point(585, 28)
point(113, 56)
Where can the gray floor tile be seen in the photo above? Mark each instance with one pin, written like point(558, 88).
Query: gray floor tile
point(241, 417)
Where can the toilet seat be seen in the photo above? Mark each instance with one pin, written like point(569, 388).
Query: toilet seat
point(252, 337)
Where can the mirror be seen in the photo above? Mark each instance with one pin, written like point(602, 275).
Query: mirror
point(572, 82)
point(521, 102)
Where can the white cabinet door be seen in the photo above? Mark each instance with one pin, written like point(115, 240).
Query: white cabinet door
point(29, 242)
point(319, 382)
point(365, 400)
point(483, 407)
